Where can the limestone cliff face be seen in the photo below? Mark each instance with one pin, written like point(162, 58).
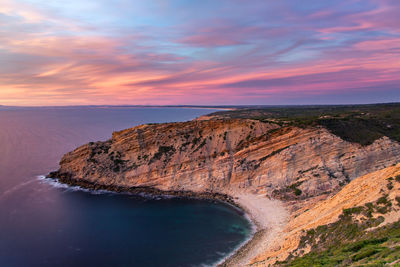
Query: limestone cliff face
point(224, 155)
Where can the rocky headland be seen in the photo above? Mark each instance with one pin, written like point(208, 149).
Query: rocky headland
point(289, 179)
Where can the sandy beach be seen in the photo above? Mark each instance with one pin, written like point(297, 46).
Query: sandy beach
point(269, 216)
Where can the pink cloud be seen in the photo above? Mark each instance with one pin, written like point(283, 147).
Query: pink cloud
point(56, 61)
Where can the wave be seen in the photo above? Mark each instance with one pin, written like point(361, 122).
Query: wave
point(74, 188)
point(253, 231)
point(238, 247)
point(235, 250)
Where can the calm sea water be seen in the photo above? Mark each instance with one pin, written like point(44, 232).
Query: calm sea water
point(43, 225)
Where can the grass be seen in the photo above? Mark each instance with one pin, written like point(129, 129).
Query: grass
point(378, 248)
point(361, 124)
point(347, 243)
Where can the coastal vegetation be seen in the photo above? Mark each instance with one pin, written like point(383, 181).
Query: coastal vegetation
point(361, 124)
point(163, 150)
point(357, 238)
point(375, 248)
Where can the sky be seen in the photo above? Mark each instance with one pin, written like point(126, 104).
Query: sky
point(208, 52)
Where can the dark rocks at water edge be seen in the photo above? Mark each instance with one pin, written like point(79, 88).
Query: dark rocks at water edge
point(67, 178)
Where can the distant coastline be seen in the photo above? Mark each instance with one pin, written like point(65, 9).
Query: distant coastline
point(5, 107)
point(221, 107)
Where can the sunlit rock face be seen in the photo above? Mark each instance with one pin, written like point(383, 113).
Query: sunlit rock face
point(225, 155)
point(365, 189)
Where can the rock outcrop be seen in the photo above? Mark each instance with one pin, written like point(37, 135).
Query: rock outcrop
point(225, 158)
point(220, 155)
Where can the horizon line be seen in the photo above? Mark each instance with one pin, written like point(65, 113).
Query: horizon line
point(202, 106)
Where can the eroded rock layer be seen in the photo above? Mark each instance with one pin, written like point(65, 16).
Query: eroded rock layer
point(223, 155)
point(379, 191)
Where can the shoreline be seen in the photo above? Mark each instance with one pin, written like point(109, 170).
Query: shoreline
point(268, 215)
point(261, 230)
point(151, 191)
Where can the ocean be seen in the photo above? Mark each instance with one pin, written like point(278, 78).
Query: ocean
point(43, 223)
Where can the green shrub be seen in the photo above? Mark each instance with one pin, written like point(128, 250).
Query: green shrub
point(162, 150)
point(365, 253)
point(354, 210)
point(382, 200)
point(297, 192)
point(398, 201)
point(390, 186)
point(347, 241)
point(362, 124)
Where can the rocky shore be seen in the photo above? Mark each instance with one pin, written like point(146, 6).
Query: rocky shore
point(137, 190)
point(273, 173)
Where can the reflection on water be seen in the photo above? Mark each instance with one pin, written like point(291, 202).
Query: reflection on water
point(42, 225)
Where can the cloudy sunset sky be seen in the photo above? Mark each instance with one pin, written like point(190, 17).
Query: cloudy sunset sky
point(205, 52)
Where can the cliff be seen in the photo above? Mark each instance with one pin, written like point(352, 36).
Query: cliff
point(249, 160)
point(222, 155)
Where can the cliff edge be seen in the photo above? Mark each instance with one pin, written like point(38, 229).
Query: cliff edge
point(237, 158)
point(288, 163)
